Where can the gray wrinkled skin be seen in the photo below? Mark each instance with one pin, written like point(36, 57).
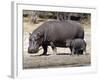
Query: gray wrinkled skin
point(55, 34)
point(78, 46)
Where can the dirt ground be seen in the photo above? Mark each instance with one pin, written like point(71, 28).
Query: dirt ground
point(61, 59)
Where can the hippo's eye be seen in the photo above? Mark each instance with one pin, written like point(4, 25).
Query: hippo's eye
point(35, 39)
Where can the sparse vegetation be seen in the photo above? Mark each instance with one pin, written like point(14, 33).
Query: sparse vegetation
point(38, 16)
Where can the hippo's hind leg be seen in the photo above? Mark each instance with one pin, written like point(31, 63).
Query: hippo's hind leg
point(53, 47)
point(72, 51)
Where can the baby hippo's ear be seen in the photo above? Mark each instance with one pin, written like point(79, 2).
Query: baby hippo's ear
point(67, 44)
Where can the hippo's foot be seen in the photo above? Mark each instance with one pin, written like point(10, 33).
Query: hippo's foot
point(72, 54)
point(44, 54)
point(84, 53)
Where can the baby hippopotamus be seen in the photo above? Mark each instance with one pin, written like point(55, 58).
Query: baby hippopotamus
point(77, 46)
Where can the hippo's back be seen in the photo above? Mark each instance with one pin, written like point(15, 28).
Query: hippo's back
point(62, 30)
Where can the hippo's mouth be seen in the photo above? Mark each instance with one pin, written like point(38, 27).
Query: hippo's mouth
point(32, 51)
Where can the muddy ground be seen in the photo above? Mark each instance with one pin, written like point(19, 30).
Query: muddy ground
point(61, 59)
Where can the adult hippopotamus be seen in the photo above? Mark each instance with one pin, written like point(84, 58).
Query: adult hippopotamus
point(55, 34)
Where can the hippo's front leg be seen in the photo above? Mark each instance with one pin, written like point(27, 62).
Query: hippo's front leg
point(53, 47)
point(45, 49)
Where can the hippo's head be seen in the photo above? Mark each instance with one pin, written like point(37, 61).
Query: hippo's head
point(35, 41)
point(68, 43)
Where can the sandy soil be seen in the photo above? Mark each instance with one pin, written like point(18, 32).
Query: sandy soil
point(61, 59)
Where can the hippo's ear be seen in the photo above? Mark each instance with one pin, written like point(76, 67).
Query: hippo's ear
point(38, 34)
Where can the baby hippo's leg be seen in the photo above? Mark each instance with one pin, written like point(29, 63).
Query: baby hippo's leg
point(84, 52)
